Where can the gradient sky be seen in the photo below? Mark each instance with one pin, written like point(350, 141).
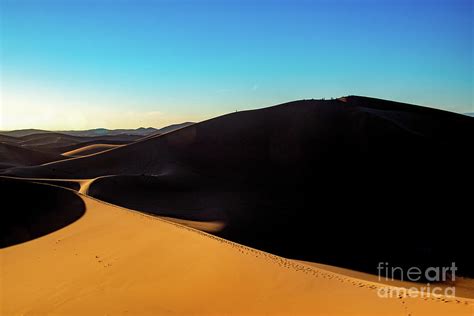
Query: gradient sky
point(122, 64)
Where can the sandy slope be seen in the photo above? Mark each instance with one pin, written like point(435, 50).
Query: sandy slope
point(12, 155)
point(464, 286)
point(116, 261)
point(88, 150)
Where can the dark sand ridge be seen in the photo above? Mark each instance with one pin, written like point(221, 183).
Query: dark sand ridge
point(292, 179)
point(16, 156)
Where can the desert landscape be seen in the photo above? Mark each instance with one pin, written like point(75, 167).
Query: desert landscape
point(239, 214)
point(237, 157)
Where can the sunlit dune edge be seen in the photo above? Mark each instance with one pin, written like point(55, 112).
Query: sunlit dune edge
point(89, 149)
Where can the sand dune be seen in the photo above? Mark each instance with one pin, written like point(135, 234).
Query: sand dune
point(8, 139)
point(166, 195)
point(59, 143)
point(72, 147)
point(41, 147)
point(281, 178)
point(16, 156)
point(464, 286)
point(116, 261)
point(90, 149)
point(42, 210)
point(22, 132)
point(83, 133)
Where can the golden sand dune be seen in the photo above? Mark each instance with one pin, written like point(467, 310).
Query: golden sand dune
point(116, 261)
point(89, 149)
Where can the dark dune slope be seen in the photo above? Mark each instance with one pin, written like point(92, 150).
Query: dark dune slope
point(16, 156)
point(31, 210)
point(349, 182)
point(9, 139)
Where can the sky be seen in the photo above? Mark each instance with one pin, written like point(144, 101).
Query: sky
point(74, 64)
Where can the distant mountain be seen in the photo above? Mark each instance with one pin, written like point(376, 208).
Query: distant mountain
point(469, 114)
point(142, 131)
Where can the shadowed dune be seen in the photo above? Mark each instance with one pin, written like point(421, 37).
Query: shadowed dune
point(59, 143)
point(293, 178)
point(96, 132)
point(32, 210)
point(8, 139)
point(15, 156)
point(22, 132)
point(65, 183)
point(184, 196)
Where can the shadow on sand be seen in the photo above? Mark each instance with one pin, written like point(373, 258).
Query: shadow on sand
point(33, 210)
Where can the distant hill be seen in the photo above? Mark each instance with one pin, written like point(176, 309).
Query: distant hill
point(29, 147)
point(469, 114)
point(22, 132)
point(14, 156)
point(142, 131)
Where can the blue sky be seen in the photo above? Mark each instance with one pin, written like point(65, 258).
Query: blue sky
point(83, 64)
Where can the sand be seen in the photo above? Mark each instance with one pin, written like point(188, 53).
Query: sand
point(90, 149)
point(12, 155)
point(117, 261)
